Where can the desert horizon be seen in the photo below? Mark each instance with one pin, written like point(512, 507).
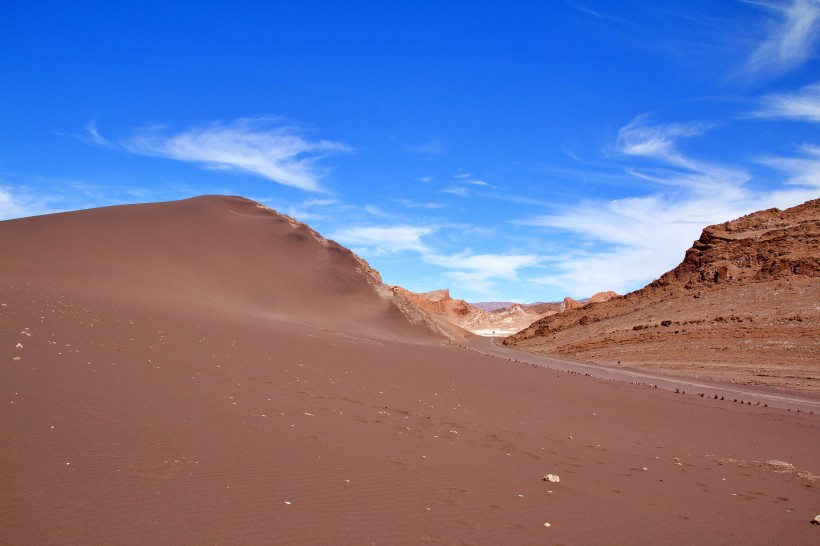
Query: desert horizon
point(210, 370)
point(388, 273)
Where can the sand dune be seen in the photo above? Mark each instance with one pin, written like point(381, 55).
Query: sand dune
point(223, 256)
point(208, 371)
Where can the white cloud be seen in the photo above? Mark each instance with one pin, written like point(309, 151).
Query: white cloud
point(94, 137)
point(638, 138)
point(803, 105)
point(434, 147)
point(456, 190)
point(476, 182)
point(586, 10)
point(659, 142)
point(373, 210)
point(790, 38)
point(619, 244)
point(384, 239)
point(502, 266)
point(258, 146)
point(414, 205)
point(17, 202)
point(642, 237)
point(479, 272)
point(311, 209)
point(803, 171)
point(591, 12)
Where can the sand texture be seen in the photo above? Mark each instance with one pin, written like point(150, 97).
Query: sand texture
point(210, 372)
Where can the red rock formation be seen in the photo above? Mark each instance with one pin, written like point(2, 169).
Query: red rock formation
point(602, 296)
point(743, 299)
point(570, 303)
point(446, 310)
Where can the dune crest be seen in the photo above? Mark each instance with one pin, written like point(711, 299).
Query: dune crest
point(210, 254)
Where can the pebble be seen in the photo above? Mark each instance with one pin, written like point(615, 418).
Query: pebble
point(552, 478)
point(547, 525)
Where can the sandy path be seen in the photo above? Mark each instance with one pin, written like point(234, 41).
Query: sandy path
point(794, 402)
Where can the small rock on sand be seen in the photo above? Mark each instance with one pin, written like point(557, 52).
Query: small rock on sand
point(816, 520)
point(552, 478)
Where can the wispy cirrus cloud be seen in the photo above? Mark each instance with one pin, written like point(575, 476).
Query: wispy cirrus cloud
point(93, 136)
point(480, 272)
point(261, 146)
point(410, 204)
point(24, 195)
point(790, 39)
point(658, 141)
point(432, 147)
point(591, 12)
point(502, 266)
point(802, 105)
point(379, 240)
point(17, 202)
point(803, 171)
point(616, 244)
point(464, 271)
point(461, 191)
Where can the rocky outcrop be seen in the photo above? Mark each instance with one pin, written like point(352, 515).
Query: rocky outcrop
point(762, 246)
point(570, 303)
point(602, 296)
point(744, 295)
point(446, 310)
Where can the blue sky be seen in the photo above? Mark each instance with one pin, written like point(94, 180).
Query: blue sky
point(508, 150)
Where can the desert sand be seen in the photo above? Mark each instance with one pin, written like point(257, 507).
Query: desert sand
point(209, 371)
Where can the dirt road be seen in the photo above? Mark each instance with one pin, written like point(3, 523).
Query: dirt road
point(730, 392)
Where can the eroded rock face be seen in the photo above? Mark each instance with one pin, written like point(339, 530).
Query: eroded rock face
point(762, 246)
point(570, 303)
point(602, 296)
point(743, 299)
point(442, 307)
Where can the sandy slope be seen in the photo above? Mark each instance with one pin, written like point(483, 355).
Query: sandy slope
point(188, 374)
